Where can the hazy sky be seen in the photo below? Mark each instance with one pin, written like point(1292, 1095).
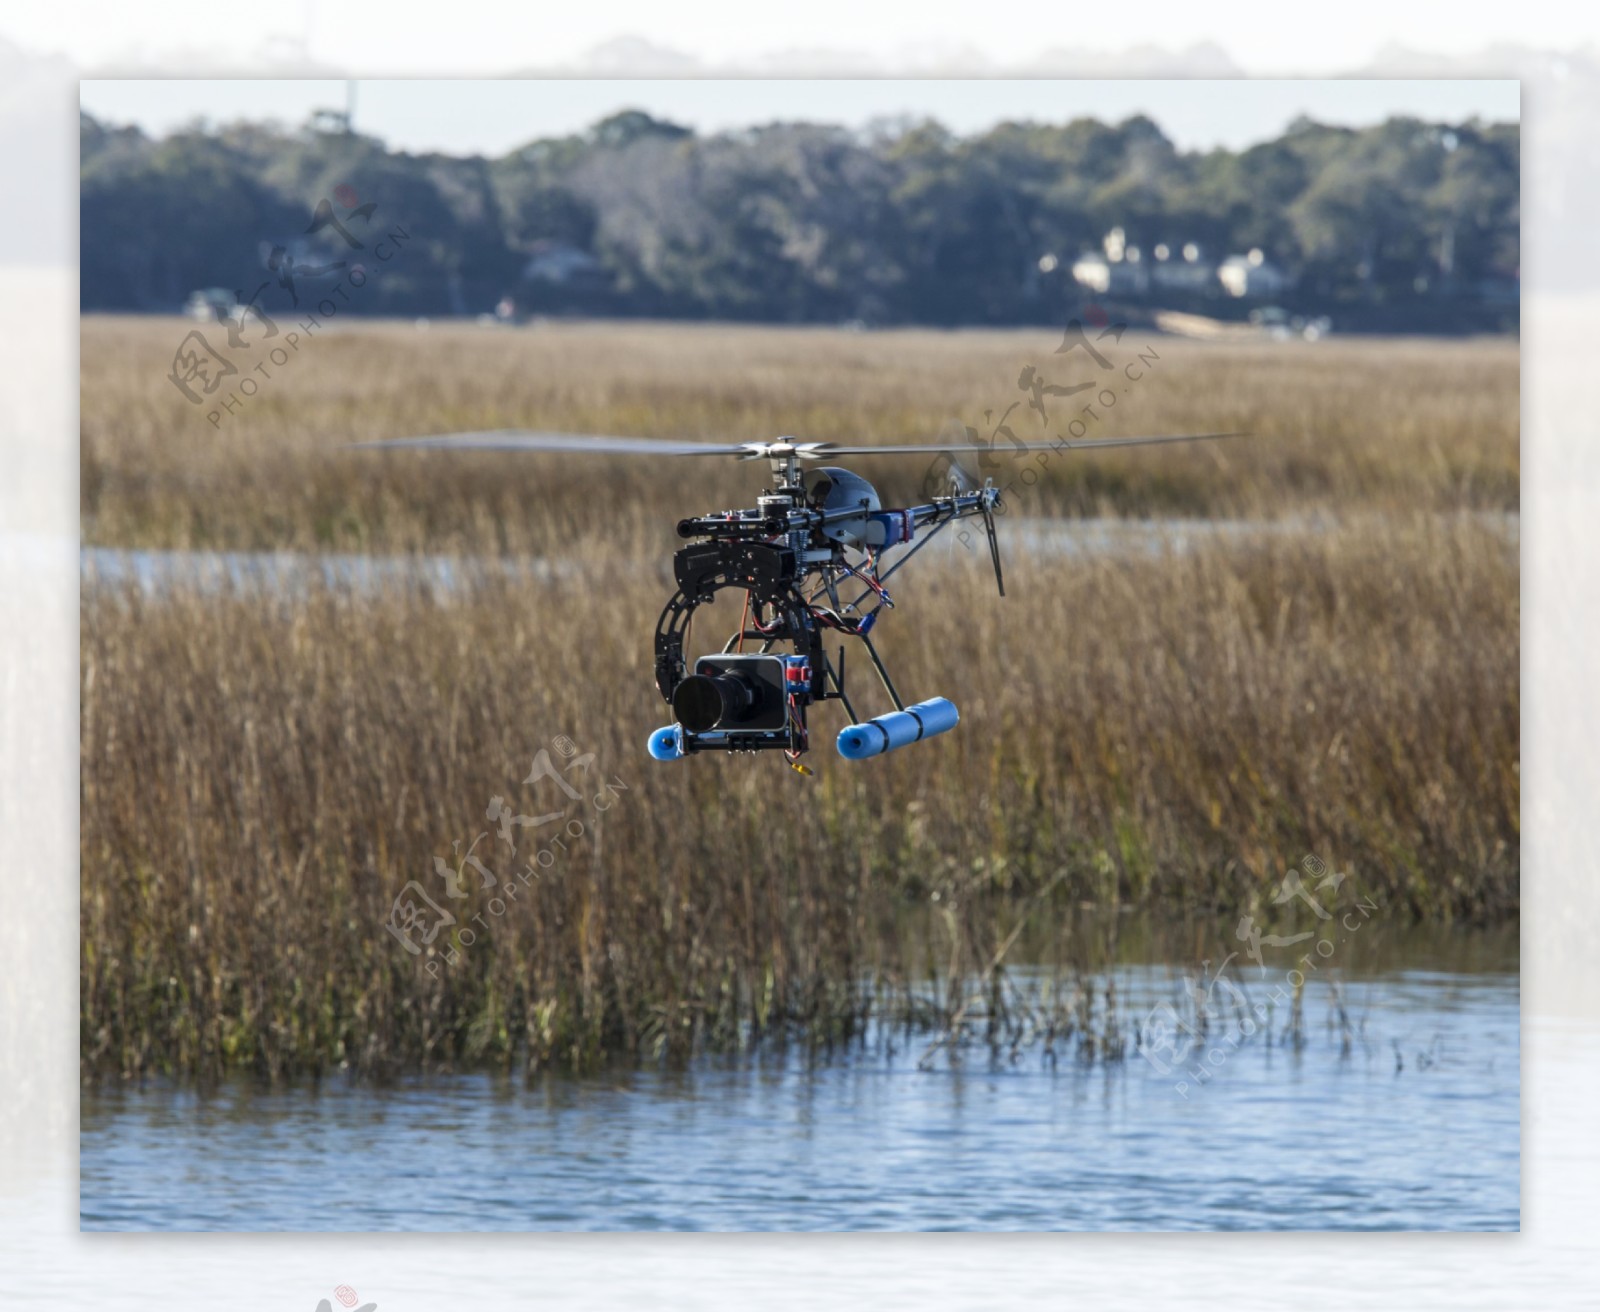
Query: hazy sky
point(386, 38)
point(491, 117)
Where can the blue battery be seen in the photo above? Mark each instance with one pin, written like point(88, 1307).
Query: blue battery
point(898, 729)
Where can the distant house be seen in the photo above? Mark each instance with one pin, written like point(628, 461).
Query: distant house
point(1182, 268)
point(1108, 277)
point(1114, 270)
point(1252, 276)
point(1121, 269)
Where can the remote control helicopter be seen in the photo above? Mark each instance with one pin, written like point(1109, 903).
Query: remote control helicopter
point(814, 537)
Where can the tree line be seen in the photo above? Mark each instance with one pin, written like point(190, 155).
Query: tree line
point(904, 222)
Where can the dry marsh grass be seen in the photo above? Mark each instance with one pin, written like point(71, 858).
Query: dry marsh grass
point(1379, 424)
point(262, 776)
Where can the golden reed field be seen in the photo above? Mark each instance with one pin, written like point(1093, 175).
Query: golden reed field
point(1392, 425)
point(1171, 726)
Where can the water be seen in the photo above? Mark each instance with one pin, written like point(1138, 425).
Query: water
point(1417, 1127)
point(284, 573)
point(289, 573)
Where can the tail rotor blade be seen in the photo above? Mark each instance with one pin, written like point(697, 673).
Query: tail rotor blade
point(994, 549)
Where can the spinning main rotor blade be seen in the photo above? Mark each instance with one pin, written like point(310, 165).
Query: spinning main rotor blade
point(999, 447)
point(516, 439)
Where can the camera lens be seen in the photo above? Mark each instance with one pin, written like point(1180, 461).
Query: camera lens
point(705, 701)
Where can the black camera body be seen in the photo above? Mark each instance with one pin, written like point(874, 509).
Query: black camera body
point(733, 694)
